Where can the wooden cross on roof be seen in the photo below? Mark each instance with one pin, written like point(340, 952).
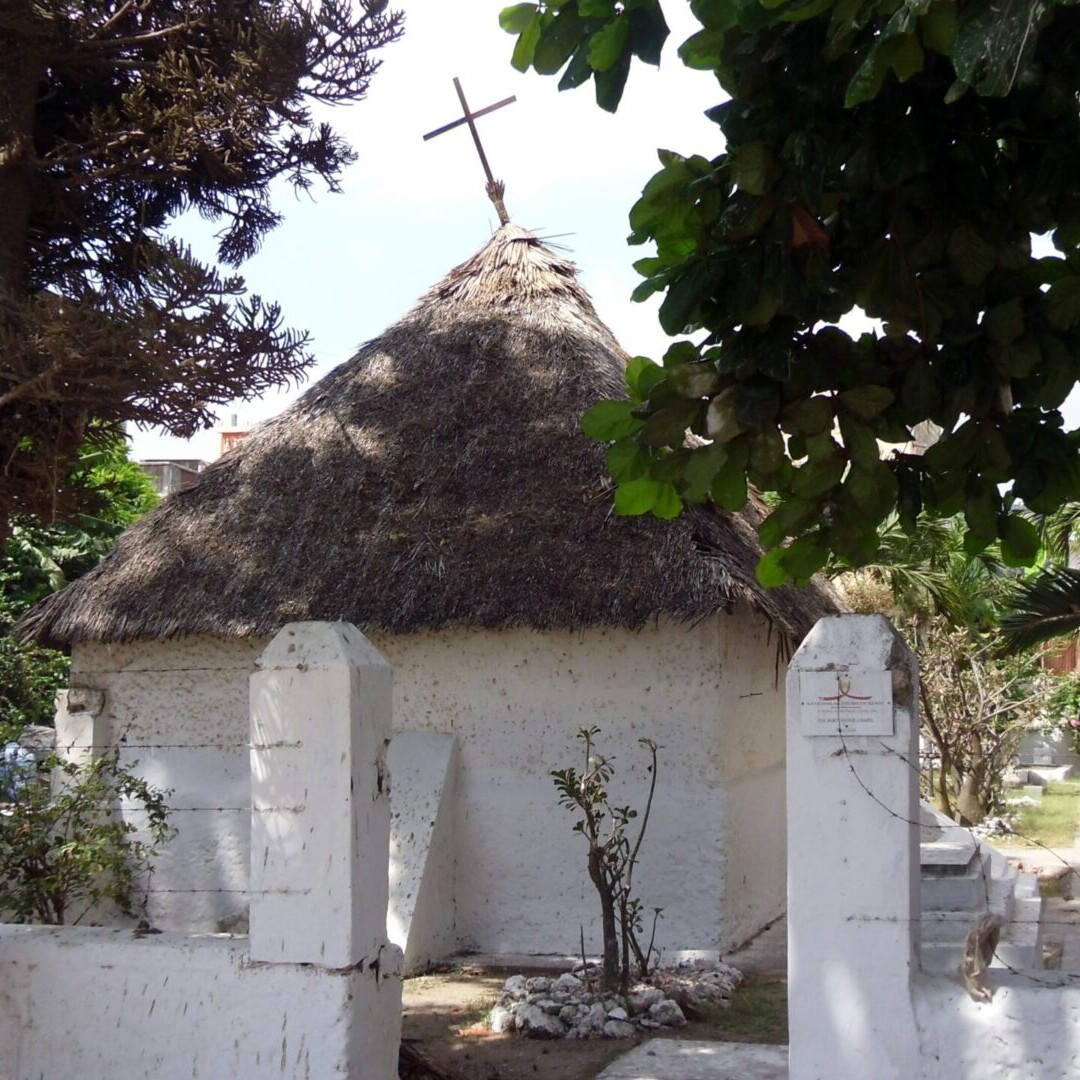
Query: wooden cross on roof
point(495, 188)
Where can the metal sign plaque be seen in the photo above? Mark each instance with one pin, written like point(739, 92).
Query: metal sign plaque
point(852, 702)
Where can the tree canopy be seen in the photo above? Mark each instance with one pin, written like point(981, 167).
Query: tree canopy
point(893, 156)
point(115, 117)
point(39, 559)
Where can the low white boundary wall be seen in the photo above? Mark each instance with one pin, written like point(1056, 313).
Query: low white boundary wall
point(315, 991)
point(859, 1009)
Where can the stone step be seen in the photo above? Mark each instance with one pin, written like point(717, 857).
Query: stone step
point(987, 885)
point(946, 848)
point(1020, 947)
point(943, 958)
point(968, 893)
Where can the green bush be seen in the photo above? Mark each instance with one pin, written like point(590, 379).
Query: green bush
point(64, 848)
point(29, 679)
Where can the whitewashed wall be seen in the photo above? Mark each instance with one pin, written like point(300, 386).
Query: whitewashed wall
point(713, 858)
point(182, 710)
point(752, 752)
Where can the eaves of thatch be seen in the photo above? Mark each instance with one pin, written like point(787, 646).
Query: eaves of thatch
point(436, 479)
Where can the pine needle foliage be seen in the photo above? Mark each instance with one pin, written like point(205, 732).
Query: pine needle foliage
point(115, 117)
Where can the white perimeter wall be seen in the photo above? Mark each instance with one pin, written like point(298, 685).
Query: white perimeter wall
point(82, 1003)
point(713, 858)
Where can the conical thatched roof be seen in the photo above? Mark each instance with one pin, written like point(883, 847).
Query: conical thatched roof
point(436, 479)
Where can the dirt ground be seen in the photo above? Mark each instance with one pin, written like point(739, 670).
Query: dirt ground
point(443, 1027)
point(443, 1016)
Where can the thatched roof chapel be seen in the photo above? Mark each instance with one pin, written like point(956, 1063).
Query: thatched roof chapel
point(436, 479)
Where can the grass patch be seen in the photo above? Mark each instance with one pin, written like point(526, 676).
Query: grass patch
point(758, 1013)
point(1054, 821)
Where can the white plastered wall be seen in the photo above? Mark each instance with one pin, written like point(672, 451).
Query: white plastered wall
point(752, 752)
point(514, 700)
point(181, 709)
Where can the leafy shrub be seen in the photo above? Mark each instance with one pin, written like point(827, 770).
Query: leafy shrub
point(1064, 709)
point(612, 857)
point(64, 849)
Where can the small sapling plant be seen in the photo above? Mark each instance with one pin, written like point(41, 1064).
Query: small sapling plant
point(64, 849)
point(611, 857)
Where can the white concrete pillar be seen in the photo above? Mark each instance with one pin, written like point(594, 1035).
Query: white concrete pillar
point(81, 727)
point(853, 866)
point(82, 730)
point(320, 797)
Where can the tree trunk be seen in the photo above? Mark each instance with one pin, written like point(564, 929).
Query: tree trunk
point(610, 977)
point(20, 78)
point(941, 797)
point(624, 959)
point(942, 800)
point(972, 802)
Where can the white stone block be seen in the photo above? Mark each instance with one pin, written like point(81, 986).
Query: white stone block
point(422, 852)
point(320, 797)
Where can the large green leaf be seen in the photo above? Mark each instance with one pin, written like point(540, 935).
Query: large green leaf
point(558, 41)
point(971, 256)
point(770, 570)
point(700, 468)
point(981, 507)
point(667, 427)
point(817, 476)
point(668, 504)
point(995, 42)
point(696, 380)
point(754, 168)
point(526, 43)
point(1063, 303)
point(867, 402)
point(810, 416)
point(1020, 542)
point(607, 44)
point(648, 31)
point(642, 375)
point(804, 557)
point(1005, 322)
point(610, 420)
point(637, 497)
point(627, 460)
point(517, 17)
point(894, 50)
point(611, 82)
point(939, 26)
point(680, 306)
point(703, 50)
point(729, 487)
point(578, 70)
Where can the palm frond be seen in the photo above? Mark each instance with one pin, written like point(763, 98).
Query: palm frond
point(1058, 530)
point(1047, 606)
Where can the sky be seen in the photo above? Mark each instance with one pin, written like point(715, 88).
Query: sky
point(346, 266)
